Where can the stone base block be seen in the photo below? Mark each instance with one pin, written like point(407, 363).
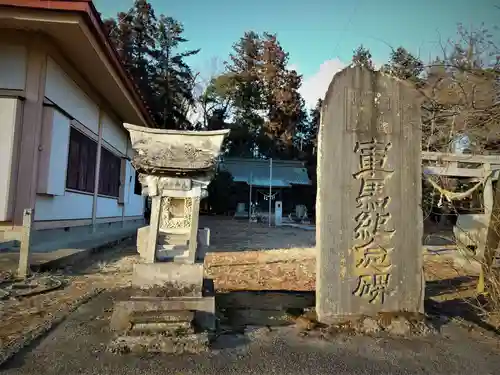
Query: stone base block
point(166, 329)
point(192, 343)
point(186, 277)
point(170, 246)
point(140, 317)
point(168, 323)
point(125, 313)
point(142, 240)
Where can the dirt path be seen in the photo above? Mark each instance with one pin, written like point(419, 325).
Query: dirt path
point(78, 346)
point(232, 262)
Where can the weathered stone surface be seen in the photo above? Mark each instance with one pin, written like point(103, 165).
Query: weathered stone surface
point(163, 288)
point(126, 319)
point(399, 327)
point(159, 150)
point(168, 275)
point(193, 343)
point(142, 240)
point(369, 221)
point(162, 316)
point(370, 326)
point(203, 308)
point(120, 319)
point(165, 328)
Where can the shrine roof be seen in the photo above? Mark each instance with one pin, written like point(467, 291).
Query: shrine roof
point(285, 173)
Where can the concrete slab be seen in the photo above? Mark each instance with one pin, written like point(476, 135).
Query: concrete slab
point(203, 307)
point(168, 275)
point(61, 254)
point(193, 343)
point(123, 319)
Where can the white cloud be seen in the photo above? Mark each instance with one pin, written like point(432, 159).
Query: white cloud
point(315, 86)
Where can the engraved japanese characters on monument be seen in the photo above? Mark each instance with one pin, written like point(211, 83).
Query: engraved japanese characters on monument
point(372, 251)
point(368, 217)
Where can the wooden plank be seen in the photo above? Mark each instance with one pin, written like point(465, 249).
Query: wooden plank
point(464, 158)
point(454, 171)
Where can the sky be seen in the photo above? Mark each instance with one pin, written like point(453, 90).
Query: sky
point(320, 35)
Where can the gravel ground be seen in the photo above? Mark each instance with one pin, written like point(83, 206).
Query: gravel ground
point(78, 346)
point(286, 261)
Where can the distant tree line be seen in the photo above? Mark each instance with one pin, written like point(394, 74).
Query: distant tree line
point(257, 95)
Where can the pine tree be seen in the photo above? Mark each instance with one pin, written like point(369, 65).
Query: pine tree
point(247, 94)
point(315, 118)
point(282, 101)
point(147, 48)
point(266, 102)
point(121, 35)
point(362, 57)
point(216, 102)
point(174, 79)
point(403, 65)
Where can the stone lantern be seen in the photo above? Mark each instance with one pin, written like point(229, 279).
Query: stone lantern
point(175, 168)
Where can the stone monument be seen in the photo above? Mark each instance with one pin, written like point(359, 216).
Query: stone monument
point(169, 304)
point(369, 219)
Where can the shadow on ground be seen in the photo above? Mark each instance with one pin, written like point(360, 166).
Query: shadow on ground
point(466, 309)
point(78, 345)
point(454, 285)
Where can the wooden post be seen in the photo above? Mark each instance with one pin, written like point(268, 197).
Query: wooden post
point(24, 264)
point(492, 239)
point(97, 172)
point(488, 208)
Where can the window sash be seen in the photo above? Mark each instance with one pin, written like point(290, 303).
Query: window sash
point(81, 162)
point(109, 174)
point(137, 184)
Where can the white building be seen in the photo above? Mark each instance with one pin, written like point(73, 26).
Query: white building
point(63, 99)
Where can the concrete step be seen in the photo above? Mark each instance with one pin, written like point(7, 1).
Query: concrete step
point(168, 252)
point(203, 307)
point(175, 231)
point(173, 239)
point(56, 254)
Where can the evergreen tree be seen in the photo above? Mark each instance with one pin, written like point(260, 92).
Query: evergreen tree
point(121, 35)
point(266, 103)
point(174, 78)
point(282, 101)
point(147, 48)
point(362, 57)
point(216, 102)
point(403, 65)
point(247, 94)
point(315, 119)
point(143, 24)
